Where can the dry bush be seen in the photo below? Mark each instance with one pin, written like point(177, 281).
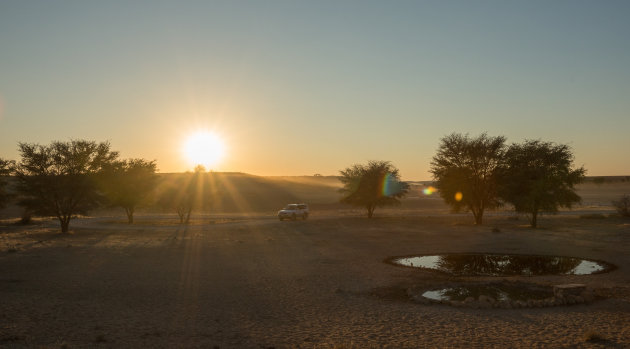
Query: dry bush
point(623, 206)
point(593, 336)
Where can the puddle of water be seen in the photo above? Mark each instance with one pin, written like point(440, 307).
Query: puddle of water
point(499, 292)
point(504, 264)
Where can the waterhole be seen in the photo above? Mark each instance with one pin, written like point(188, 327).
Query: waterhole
point(503, 264)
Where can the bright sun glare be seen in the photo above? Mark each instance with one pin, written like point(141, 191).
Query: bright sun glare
point(204, 148)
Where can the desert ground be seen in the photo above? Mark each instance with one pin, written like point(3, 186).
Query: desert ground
point(239, 280)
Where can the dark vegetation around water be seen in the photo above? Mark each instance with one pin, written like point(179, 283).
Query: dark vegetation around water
point(488, 264)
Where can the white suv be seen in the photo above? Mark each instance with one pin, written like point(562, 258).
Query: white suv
point(294, 211)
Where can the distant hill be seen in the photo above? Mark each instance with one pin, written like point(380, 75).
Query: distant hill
point(241, 192)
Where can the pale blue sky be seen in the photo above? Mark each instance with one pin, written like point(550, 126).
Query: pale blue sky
point(297, 87)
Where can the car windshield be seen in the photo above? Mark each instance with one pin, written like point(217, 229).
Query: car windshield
point(291, 207)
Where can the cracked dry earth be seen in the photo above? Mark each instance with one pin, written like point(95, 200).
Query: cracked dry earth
point(259, 283)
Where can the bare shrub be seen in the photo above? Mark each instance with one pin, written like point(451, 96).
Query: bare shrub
point(623, 206)
point(593, 336)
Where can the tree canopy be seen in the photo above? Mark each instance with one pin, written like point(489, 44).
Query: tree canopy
point(128, 183)
point(538, 176)
point(59, 179)
point(465, 172)
point(373, 185)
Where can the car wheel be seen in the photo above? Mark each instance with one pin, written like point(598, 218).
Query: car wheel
point(280, 218)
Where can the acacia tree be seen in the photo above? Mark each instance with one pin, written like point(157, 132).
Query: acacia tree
point(537, 176)
point(373, 185)
point(6, 167)
point(60, 179)
point(190, 192)
point(465, 172)
point(128, 183)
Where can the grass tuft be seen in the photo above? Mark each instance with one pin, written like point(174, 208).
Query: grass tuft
point(593, 336)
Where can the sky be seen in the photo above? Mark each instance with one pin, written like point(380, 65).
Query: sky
point(306, 87)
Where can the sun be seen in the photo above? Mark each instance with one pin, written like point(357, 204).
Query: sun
point(204, 148)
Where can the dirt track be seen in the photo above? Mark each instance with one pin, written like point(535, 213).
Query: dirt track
point(260, 283)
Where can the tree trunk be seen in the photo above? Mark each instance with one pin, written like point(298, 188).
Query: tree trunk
point(65, 223)
point(180, 213)
point(129, 211)
point(479, 220)
point(370, 210)
point(188, 216)
point(534, 220)
point(478, 217)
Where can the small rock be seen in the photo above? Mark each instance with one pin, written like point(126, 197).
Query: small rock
point(573, 289)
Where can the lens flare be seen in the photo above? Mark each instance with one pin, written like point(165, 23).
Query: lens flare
point(386, 185)
point(428, 190)
point(459, 196)
point(389, 185)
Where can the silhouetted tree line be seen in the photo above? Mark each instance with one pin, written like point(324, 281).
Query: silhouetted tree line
point(483, 173)
point(478, 174)
point(66, 179)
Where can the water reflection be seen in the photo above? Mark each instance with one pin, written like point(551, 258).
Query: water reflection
point(504, 265)
point(499, 292)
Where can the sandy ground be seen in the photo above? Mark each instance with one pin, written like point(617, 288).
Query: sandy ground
point(255, 282)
